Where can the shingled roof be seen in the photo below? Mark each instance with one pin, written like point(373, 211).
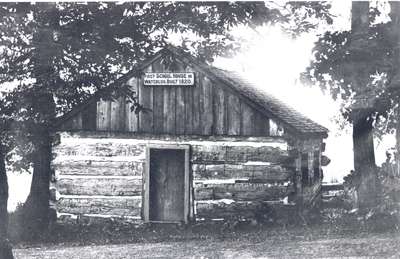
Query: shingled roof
point(271, 104)
point(267, 103)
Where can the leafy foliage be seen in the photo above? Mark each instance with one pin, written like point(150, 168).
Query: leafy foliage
point(358, 68)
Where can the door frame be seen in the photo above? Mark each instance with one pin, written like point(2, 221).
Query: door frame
point(146, 184)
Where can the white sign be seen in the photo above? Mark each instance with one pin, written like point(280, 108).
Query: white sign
point(181, 78)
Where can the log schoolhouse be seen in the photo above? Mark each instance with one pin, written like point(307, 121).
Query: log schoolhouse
point(207, 145)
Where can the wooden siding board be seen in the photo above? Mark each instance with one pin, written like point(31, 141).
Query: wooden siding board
point(132, 119)
point(188, 110)
point(200, 87)
point(103, 115)
point(233, 114)
point(219, 111)
point(265, 126)
point(181, 104)
point(146, 100)
point(207, 110)
point(180, 111)
point(158, 102)
point(169, 110)
point(247, 119)
point(260, 124)
point(158, 109)
point(118, 114)
point(197, 95)
point(89, 117)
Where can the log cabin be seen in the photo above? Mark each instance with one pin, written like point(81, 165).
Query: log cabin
point(207, 145)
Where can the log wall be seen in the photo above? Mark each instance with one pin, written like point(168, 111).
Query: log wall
point(98, 175)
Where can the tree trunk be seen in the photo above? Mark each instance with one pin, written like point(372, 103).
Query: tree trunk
point(395, 18)
point(364, 158)
point(5, 247)
point(363, 142)
point(397, 154)
point(36, 207)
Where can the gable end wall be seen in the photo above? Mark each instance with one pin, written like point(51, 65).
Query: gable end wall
point(208, 108)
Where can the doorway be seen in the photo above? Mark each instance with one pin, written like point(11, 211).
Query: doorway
point(167, 184)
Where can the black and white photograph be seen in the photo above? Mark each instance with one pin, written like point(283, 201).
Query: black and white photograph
point(199, 129)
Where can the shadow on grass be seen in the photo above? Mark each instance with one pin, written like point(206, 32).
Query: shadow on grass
point(94, 231)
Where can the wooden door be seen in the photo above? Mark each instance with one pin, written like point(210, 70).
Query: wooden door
point(167, 185)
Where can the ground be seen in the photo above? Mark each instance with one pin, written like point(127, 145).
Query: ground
point(300, 242)
point(334, 233)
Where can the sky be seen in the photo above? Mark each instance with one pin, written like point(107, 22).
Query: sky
point(273, 62)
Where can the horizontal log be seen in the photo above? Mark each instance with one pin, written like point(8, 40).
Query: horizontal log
point(99, 149)
point(228, 209)
point(264, 154)
point(235, 153)
point(99, 168)
point(121, 206)
point(267, 172)
point(203, 194)
point(90, 219)
point(242, 191)
point(134, 137)
point(99, 186)
point(208, 153)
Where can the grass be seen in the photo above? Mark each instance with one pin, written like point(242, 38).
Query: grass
point(242, 242)
point(333, 234)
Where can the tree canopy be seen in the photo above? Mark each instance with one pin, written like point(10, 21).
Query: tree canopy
point(76, 48)
point(361, 68)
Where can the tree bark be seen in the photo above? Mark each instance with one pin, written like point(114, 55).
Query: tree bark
point(364, 158)
point(5, 247)
point(397, 154)
point(395, 19)
point(36, 207)
point(363, 141)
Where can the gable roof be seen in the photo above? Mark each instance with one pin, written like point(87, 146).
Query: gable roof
point(266, 103)
point(271, 104)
